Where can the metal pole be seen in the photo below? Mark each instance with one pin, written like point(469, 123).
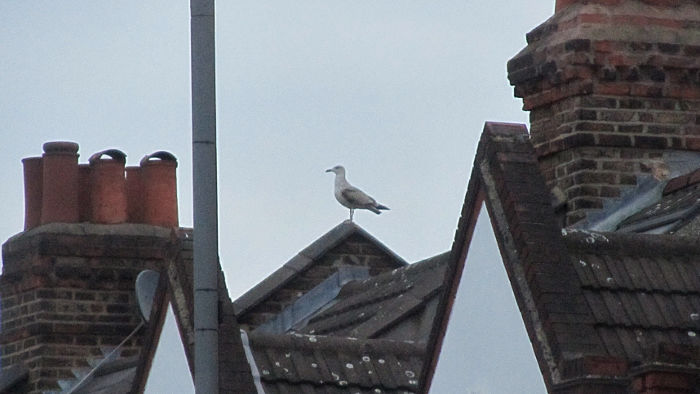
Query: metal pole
point(206, 244)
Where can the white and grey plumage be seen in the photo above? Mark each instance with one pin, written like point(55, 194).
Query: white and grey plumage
point(351, 197)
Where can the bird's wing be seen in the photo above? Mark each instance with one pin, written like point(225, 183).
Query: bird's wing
point(356, 196)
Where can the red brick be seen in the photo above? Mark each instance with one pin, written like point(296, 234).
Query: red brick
point(606, 366)
point(614, 140)
point(648, 142)
point(594, 18)
point(694, 177)
point(668, 380)
point(630, 128)
point(684, 92)
point(675, 142)
point(692, 143)
point(613, 89)
point(663, 3)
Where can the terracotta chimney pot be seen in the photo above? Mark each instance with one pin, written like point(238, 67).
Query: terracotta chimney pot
point(84, 204)
point(561, 4)
point(134, 195)
point(159, 189)
point(108, 187)
point(59, 200)
point(32, 192)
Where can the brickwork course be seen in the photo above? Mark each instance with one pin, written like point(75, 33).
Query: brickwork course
point(610, 85)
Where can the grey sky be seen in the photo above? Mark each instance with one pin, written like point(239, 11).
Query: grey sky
point(396, 91)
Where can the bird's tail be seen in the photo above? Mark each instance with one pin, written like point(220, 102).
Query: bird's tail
point(376, 208)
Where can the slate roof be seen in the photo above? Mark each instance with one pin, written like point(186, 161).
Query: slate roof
point(624, 298)
point(383, 352)
point(678, 204)
point(345, 245)
point(327, 364)
point(627, 301)
point(305, 259)
point(358, 344)
point(369, 308)
point(641, 289)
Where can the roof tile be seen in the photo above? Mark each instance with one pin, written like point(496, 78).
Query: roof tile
point(633, 291)
point(294, 363)
point(365, 309)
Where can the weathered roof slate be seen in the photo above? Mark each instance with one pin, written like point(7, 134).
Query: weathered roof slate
point(327, 364)
point(346, 361)
point(371, 338)
point(642, 289)
point(368, 308)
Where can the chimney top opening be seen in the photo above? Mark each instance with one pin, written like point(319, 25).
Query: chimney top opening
point(112, 154)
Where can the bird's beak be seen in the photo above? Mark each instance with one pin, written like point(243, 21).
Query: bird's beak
point(329, 170)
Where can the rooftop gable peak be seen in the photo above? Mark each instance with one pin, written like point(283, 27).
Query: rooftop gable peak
point(347, 244)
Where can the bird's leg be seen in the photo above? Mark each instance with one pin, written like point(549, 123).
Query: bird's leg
point(351, 212)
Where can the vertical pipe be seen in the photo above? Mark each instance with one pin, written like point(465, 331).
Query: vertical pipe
point(206, 365)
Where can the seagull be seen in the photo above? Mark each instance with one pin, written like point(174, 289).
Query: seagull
point(352, 197)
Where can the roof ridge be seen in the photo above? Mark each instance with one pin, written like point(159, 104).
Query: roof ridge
point(305, 259)
point(506, 175)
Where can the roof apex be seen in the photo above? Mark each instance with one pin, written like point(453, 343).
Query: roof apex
point(304, 259)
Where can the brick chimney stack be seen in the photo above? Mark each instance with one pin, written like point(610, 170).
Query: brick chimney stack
point(67, 286)
point(611, 86)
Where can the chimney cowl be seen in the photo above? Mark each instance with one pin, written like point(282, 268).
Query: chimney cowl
point(159, 188)
point(157, 157)
point(114, 154)
point(60, 147)
point(107, 187)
